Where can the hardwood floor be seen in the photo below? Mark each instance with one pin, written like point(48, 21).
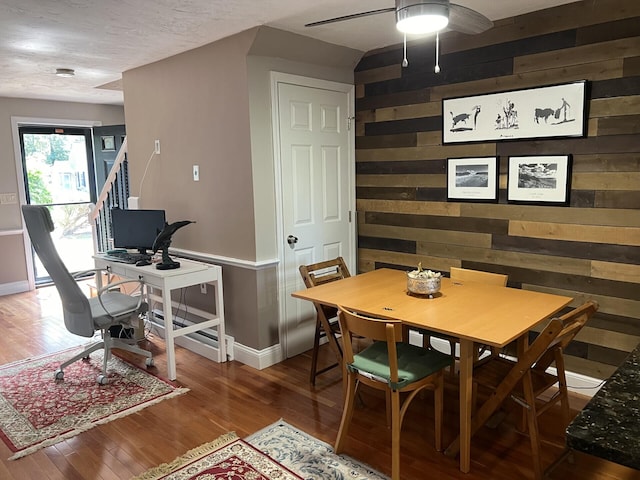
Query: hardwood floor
point(234, 397)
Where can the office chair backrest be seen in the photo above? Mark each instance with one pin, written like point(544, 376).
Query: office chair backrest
point(75, 305)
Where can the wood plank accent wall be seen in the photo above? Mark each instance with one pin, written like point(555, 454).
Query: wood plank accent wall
point(590, 249)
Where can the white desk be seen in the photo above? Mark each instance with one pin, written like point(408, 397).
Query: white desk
point(190, 273)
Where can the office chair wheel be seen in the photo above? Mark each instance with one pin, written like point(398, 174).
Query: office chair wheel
point(102, 379)
point(59, 374)
point(149, 362)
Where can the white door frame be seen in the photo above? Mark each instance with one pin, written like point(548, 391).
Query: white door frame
point(276, 79)
point(16, 123)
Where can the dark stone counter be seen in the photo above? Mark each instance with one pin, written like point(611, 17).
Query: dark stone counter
point(609, 425)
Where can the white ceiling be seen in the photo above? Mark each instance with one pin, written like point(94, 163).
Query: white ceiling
point(100, 39)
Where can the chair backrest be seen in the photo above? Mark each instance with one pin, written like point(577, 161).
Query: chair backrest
point(466, 274)
point(382, 330)
point(572, 323)
point(557, 334)
point(324, 272)
point(75, 305)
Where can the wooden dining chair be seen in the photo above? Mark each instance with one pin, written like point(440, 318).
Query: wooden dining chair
point(326, 316)
point(390, 365)
point(526, 379)
point(461, 275)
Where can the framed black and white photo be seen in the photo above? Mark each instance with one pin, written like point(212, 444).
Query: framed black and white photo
point(544, 179)
point(542, 112)
point(472, 179)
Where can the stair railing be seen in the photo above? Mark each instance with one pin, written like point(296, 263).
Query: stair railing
point(114, 193)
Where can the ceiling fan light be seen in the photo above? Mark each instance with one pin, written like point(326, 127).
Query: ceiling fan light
point(421, 18)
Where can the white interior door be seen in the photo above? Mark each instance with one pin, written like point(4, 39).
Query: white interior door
point(317, 183)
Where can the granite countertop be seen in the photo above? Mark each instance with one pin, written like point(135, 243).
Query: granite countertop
point(609, 425)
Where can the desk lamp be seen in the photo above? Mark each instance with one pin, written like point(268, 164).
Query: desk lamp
point(163, 241)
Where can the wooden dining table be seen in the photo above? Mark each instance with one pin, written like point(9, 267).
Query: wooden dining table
point(473, 312)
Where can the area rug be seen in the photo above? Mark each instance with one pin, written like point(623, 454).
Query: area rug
point(227, 457)
point(309, 457)
point(37, 411)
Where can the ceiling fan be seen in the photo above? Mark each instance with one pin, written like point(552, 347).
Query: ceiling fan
point(425, 16)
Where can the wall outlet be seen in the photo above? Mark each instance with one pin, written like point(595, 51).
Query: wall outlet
point(156, 147)
point(196, 173)
point(133, 203)
point(203, 288)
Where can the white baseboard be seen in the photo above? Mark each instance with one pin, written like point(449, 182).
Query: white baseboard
point(576, 382)
point(257, 359)
point(14, 287)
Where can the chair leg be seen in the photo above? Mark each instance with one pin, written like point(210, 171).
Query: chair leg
point(85, 353)
point(396, 425)
point(347, 411)
point(532, 423)
point(562, 387)
point(439, 407)
point(314, 353)
point(452, 349)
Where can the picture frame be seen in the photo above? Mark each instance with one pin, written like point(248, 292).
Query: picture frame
point(108, 143)
point(540, 179)
point(540, 112)
point(472, 179)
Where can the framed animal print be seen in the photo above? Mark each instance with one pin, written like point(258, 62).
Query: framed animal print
point(541, 112)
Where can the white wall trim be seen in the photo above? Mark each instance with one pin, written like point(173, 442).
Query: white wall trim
point(258, 359)
point(234, 262)
point(7, 233)
point(14, 287)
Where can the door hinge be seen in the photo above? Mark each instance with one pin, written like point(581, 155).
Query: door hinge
point(349, 216)
point(349, 120)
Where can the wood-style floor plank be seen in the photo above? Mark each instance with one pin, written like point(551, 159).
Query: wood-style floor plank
point(235, 397)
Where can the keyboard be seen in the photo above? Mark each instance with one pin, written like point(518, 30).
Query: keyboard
point(126, 257)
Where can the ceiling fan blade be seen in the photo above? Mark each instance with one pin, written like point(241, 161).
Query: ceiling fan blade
point(465, 20)
point(350, 17)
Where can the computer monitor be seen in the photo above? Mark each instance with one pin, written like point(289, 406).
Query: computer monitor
point(136, 229)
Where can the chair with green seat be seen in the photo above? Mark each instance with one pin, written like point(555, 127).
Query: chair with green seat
point(390, 365)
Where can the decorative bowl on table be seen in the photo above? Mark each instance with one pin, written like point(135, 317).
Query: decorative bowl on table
point(423, 282)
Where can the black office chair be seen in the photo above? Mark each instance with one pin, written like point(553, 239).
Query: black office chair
point(82, 315)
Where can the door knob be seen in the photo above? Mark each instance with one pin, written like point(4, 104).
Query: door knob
point(291, 240)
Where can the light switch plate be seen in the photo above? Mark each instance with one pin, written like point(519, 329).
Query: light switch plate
point(196, 173)
point(8, 199)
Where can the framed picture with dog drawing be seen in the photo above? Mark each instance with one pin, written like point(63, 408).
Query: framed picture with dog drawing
point(540, 112)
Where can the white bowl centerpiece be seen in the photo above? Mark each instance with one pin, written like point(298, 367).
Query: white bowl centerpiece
point(423, 282)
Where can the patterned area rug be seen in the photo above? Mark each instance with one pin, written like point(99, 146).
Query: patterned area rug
point(228, 457)
point(309, 457)
point(37, 411)
point(277, 452)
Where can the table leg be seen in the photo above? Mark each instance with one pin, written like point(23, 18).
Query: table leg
point(219, 305)
point(168, 333)
point(466, 388)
